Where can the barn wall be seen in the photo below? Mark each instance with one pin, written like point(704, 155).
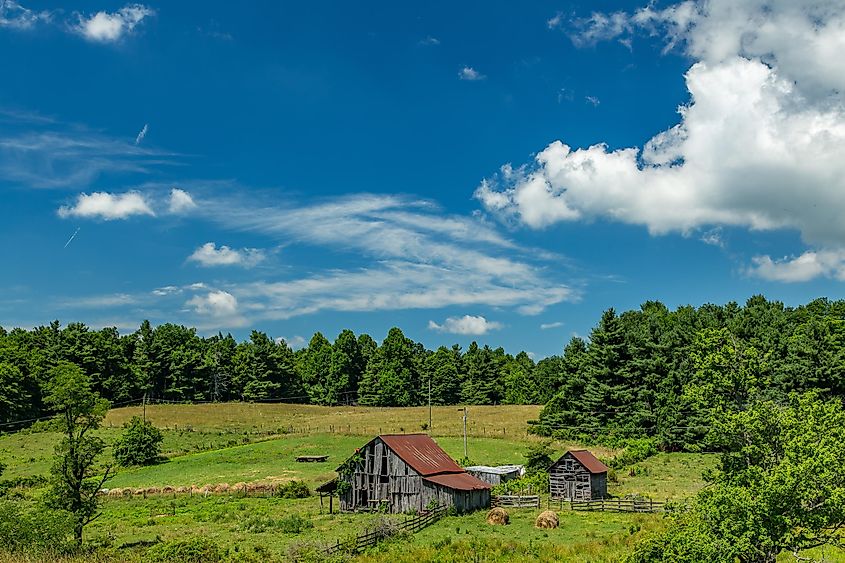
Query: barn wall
point(600, 485)
point(382, 476)
point(569, 480)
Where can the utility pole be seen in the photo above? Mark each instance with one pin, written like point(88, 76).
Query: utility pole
point(144, 403)
point(466, 455)
point(429, 404)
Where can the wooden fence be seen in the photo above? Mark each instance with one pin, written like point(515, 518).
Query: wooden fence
point(371, 537)
point(517, 501)
point(616, 505)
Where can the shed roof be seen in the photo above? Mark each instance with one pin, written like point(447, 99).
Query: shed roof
point(459, 481)
point(588, 460)
point(498, 470)
point(421, 453)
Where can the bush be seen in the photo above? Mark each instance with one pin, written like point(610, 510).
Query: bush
point(140, 443)
point(636, 450)
point(293, 489)
point(539, 457)
point(29, 482)
point(190, 550)
point(35, 530)
point(294, 524)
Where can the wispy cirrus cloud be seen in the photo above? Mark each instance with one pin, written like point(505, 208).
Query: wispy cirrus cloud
point(409, 256)
point(15, 16)
point(40, 152)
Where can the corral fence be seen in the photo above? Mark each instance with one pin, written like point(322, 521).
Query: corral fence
point(385, 530)
point(516, 501)
point(615, 505)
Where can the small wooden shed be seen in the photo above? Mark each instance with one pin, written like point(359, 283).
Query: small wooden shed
point(402, 472)
point(578, 475)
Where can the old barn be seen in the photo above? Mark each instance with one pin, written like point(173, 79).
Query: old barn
point(405, 472)
point(578, 475)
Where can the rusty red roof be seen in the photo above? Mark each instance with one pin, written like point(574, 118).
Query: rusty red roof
point(459, 481)
point(589, 461)
point(422, 453)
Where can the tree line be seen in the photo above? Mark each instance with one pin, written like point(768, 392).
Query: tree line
point(651, 372)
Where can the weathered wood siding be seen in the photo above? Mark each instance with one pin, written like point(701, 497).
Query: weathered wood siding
point(569, 480)
point(494, 478)
point(383, 477)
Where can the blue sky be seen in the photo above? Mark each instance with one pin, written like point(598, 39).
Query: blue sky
point(475, 171)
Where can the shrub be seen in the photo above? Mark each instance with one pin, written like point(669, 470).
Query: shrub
point(636, 450)
point(294, 524)
point(293, 489)
point(539, 457)
point(190, 550)
point(33, 530)
point(29, 482)
point(140, 443)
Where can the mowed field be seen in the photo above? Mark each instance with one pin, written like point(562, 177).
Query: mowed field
point(214, 445)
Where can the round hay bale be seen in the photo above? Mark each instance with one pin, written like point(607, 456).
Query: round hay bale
point(238, 487)
point(167, 489)
point(116, 492)
point(153, 490)
point(547, 520)
point(182, 489)
point(127, 492)
point(498, 517)
point(221, 488)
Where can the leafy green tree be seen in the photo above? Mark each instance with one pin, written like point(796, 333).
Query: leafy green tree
point(443, 367)
point(391, 378)
point(520, 387)
point(316, 368)
point(13, 394)
point(345, 370)
point(779, 486)
point(140, 443)
point(79, 412)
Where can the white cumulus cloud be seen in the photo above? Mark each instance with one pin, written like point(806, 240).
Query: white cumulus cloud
point(759, 145)
point(108, 27)
point(180, 201)
point(466, 325)
point(107, 206)
point(217, 303)
point(209, 255)
point(807, 266)
point(469, 73)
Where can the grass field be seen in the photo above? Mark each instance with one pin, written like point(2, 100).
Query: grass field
point(485, 421)
point(233, 443)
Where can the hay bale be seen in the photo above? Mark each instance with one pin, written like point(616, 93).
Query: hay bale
point(498, 517)
point(547, 520)
point(128, 492)
point(238, 487)
point(181, 490)
point(221, 488)
point(116, 492)
point(153, 490)
point(167, 489)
